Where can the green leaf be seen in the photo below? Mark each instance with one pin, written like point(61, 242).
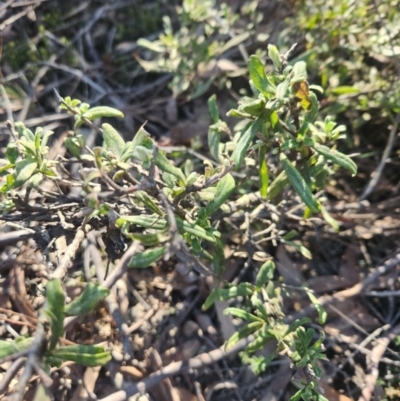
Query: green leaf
point(309, 116)
point(277, 185)
point(251, 106)
point(11, 347)
point(102, 111)
point(236, 40)
point(242, 314)
point(194, 229)
point(338, 158)
point(146, 239)
point(322, 315)
point(297, 396)
point(112, 140)
point(224, 189)
point(265, 273)
point(146, 258)
point(29, 146)
point(142, 138)
point(143, 197)
point(213, 108)
point(257, 75)
point(6, 167)
point(214, 137)
point(35, 180)
point(258, 343)
point(299, 72)
point(155, 46)
point(243, 289)
point(259, 364)
point(291, 234)
point(74, 146)
point(246, 139)
point(87, 355)
point(55, 304)
point(302, 249)
point(299, 185)
point(12, 152)
point(37, 139)
point(263, 172)
point(281, 89)
point(166, 166)
point(242, 333)
point(329, 219)
point(24, 132)
point(274, 56)
point(46, 137)
point(24, 170)
point(212, 297)
point(152, 221)
point(88, 300)
point(344, 90)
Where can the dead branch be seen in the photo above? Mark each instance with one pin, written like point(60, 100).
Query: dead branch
point(373, 363)
point(178, 368)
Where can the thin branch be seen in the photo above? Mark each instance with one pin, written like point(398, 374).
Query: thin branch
point(10, 373)
point(70, 254)
point(210, 181)
point(178, 368)
point(373, 363)
point(376, 175)
point(357, 289)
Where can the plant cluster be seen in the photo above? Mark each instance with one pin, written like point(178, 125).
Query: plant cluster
point(194, 54)
point(352, 48)
point(175, 208)
point(44, 345)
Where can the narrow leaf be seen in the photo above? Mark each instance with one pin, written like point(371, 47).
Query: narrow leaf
point(263, 172)
point(166, 166)
point(246, 139)
point(299, 185)
point(88, 300)
point(212, 297)
point(102, 111)
point(213, 108)
point(11, 347)
point(146, 258)
point(242, 314)
point(214, 137)
point(55, 304)
point(266, 273)
point(337, 157)
point(302, 249)
point(274, 56)
point(322, 315)
point(224, 189)
point(152, 221)
point(277, 185)
point(87, 355)
point(242, 333)
point(194, 229)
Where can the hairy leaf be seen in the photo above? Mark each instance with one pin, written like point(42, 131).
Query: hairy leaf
point(113, 140)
